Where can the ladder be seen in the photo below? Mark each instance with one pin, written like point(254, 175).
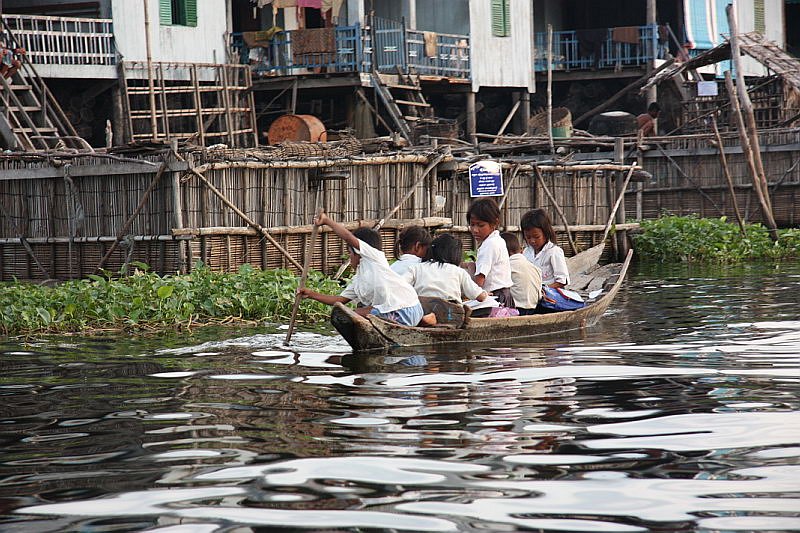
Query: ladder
point(30, 117)
point(403, 101)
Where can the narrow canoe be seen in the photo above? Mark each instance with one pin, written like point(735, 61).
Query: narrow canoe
point(373, 333)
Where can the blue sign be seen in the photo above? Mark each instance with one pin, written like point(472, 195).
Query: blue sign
point(485, 179)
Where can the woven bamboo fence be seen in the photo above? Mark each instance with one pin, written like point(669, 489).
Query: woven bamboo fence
point(691, 179)
point(61, 216)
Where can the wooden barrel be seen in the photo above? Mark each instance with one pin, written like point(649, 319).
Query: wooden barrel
point(297, 128)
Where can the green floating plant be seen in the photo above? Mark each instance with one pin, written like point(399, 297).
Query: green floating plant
point(145, 300)
point(712, 240)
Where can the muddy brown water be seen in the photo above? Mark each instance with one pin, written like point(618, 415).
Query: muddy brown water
point(678, 412)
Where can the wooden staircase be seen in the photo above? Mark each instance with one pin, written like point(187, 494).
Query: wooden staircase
point(403, 100)
point(30, 117)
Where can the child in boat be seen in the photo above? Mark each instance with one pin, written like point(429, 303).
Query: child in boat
point(412, 244)
point(440, 276)
point(377, 287)
point(492, 267)
point(542, 249)
point(527, 278)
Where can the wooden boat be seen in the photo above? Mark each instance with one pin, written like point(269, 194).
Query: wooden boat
point(373, 333)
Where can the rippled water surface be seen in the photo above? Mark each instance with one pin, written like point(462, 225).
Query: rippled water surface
point(678, 412)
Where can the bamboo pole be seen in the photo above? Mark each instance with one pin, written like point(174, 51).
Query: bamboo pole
point(514, 173)
point(124, 229)
point(747, 151)
point(433, 163)
point(24, 243)
point(617, 203)
point(151, 89)
point(507, 120)
point(224, 199)
point(622, 92)
point(550, 90)
point(688, 177)
point(557, 207)
point(724, 162)
point(759, 178)
point(303, 276)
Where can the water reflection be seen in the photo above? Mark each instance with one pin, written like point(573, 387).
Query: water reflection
point(678, 412)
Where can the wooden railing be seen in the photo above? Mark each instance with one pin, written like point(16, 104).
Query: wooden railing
point(64, 40)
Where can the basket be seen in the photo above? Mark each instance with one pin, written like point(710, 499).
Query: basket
point(562, 123)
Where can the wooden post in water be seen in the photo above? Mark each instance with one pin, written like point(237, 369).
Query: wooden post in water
point(620, 184)
point(724, 162)
point(759, 177)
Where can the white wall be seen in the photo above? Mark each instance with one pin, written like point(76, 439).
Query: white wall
point(204, 43)
point(502, 61)
point(773, 26)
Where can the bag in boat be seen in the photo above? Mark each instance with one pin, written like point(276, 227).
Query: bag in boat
point(560, 299)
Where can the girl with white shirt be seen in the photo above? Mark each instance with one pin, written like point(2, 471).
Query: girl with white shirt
point(492, 266)
point(411, 248)
point(440, 276)
point(542, 249)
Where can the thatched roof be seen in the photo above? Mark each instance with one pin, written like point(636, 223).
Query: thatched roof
point(753, 44)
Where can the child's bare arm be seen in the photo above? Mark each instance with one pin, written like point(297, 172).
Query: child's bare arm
point(480, 279)
point(338, 229)
point(327, 299)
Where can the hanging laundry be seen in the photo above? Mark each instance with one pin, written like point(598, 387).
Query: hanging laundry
point(625, 34)
point(430, 38)
point(335, 6)
point(591, 43)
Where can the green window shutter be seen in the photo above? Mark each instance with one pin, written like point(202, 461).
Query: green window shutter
point(501, 18)
point(165, 12)
point(758, 16)
point(507, 16)
point(190, 12)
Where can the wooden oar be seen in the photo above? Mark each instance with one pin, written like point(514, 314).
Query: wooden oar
point(303, 276)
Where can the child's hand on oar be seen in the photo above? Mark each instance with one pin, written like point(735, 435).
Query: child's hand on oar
point(321, 219)
point(304, 292)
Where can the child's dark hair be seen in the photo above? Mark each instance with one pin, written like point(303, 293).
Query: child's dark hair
point(445, 248)
point(538, 218)
point(484, 209)
point(369, 236)
point(410, 236)
point(512, 243)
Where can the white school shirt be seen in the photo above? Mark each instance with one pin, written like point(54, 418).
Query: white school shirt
point(552, 262)
point(492, 262)
point(527, 288)
point(442, 280)
point(404, 262)
point(375, 284)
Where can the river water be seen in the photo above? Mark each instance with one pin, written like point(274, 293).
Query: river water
point(678, 412)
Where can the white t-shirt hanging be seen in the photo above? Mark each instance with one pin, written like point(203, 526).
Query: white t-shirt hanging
point(405, 261)
point(442, 280)
point(551, 261)
point(492, 262)
point(376, 284)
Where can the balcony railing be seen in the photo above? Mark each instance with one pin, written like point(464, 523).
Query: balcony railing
point(593, 49)
point(354, 49)
point(64, 40)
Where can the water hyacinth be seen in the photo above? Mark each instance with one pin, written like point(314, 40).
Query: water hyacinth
point(690, 238)
point(145, 300)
